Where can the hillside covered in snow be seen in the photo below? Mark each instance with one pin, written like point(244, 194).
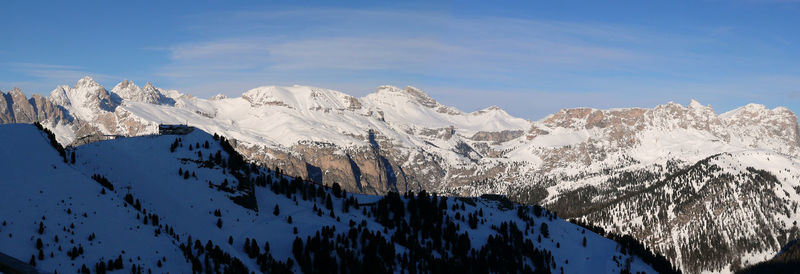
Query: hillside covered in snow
point(186, 203)
point(683, 179)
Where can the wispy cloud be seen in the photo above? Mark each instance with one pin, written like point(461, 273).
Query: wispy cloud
point(48, 76)
point(18, 65)
point(426, 44)
point(530, 67)
point(528, 62)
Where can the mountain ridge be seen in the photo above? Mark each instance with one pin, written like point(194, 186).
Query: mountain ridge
point(401, 139)
point(149, 203)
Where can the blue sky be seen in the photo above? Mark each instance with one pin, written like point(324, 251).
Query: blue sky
point(531, 58)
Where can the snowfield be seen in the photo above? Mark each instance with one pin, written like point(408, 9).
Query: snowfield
point(636, 171)
point(37, 186)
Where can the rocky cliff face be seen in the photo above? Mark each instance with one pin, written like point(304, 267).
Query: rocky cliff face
point(15, 107)
point(78, 114)
point(681, 178)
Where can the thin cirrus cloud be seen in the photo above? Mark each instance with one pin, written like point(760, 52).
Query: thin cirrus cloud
point(375, 47)
point(529, 63)
point(453, 43)
point(46, 74)
point(530, 67)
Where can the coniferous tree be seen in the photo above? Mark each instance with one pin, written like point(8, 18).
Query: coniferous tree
point(247, 246)
point(277, 210)
point(219, 223)
point(254, 248)
point(543, 230)
point(297, 248)
point(329, 202)
point(337, 190)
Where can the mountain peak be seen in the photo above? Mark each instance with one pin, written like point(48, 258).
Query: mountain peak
point(760, 111)
point(127, 90)
point(749, 108)
point(297, 97)
point(268, 95)
point(493, 108)
point(408, 90)
point(86, 82)
point(755, 107)
point(412, 94)
point(694, 104)
point(494, 111)
point(16, 91)
point(85, 100)
point(125, 85)
point(416, 91)
point(219, 96)
point(783, 109)
point(388, 88)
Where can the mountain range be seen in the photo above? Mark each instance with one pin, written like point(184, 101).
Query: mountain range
point(180, 203)
point(712, 192)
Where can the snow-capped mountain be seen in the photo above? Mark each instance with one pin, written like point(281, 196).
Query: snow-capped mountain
point(181, 203)
point(583, 163)
point(87, 100)
point(130, 92)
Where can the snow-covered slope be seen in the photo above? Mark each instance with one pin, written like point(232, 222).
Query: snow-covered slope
point(402, 139)
point(86, 100)
point(743, 203)
point(177, 203)
point(40, 190)
point(411, 108)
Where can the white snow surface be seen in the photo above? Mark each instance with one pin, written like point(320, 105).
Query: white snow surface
point(36, 185)
point(563, 145)
point(85, 100)
point(281, 117)
point(129, 91)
